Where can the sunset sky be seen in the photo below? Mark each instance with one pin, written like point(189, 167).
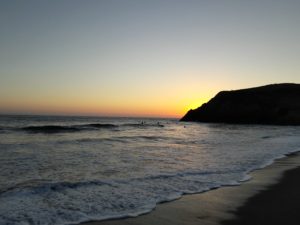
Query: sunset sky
point(141, 58)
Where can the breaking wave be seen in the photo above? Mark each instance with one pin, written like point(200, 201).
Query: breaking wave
point(77, 128)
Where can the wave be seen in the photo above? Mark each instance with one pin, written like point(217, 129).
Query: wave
point(77, 128)
point(5, 129)
point(50, 129)
point(98, 140)
point(143, 125)
point(51, 186)
point(119, 139)
point(266, 137)
point(142, 137)
point(62, 129)
point(37, 186)
point(101, 125)
point(74, 202)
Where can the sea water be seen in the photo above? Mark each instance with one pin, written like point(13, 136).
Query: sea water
point(66, 170)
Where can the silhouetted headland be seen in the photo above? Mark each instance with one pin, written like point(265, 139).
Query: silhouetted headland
point(277, 104)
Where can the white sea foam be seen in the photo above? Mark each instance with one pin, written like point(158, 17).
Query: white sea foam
point(97, 174)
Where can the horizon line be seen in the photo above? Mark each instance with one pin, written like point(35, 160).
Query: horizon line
point(81, 115)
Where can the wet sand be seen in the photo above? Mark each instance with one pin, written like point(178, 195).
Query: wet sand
point(278, 204)
point(270, 197)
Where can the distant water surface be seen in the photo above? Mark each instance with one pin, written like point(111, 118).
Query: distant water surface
point(66, 170)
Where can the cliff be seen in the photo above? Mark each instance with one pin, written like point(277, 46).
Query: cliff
point(277, 104)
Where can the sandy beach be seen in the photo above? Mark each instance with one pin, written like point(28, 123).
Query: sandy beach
point(270, 197)
point(278, 204)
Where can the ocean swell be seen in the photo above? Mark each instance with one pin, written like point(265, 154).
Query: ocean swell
point(49, 129)
point(111, 168)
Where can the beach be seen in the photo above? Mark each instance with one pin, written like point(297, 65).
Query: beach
point(97, 169)
point(269, 197)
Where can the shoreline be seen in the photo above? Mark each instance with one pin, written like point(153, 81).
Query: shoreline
point(217, 206)
point(278, 204)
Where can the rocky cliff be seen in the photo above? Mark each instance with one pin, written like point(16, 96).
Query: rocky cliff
point(277, 104)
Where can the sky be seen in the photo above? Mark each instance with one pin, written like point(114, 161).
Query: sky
point(140, 57)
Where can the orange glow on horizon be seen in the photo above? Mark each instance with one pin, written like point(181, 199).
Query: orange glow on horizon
point(167, 100)
point(171, 109)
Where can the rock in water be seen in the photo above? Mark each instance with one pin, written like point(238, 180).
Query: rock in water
point(277, 104)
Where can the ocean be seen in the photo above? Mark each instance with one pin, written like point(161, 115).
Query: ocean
point(67, 170)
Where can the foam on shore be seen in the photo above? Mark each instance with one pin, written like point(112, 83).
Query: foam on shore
point(215, 206)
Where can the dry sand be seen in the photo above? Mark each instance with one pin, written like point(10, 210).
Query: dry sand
point(229, 205)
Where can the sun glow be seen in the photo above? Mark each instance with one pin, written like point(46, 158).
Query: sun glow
point(82, 62)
